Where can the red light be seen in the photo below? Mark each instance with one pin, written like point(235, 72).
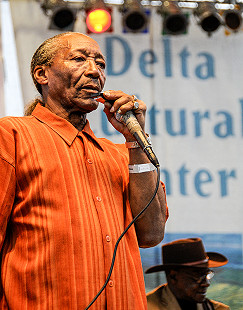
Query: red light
point(98, 20)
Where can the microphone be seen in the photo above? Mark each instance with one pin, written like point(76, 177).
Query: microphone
point(131, 122)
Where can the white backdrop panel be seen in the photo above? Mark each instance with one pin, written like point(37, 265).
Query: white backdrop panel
point(192, 85)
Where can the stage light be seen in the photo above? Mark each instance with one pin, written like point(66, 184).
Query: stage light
point(98, 20)
point(233, 19)
point(98, 17)
point(63, 18)
point(136, 14)
point(208, 17)
point(174, 21)
point(134, 17)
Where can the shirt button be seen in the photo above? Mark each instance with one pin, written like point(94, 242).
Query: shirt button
point(98, 198)
point(108, 238)
point(90, 161)
point(111, 283)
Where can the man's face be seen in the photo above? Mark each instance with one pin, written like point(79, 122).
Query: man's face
point(76, 74)
point(191, 283)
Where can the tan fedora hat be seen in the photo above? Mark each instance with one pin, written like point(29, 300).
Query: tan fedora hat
point(188, 252)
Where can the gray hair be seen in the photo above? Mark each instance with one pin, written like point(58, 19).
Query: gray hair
point(45, 54)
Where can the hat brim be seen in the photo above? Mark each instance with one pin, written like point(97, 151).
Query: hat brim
point(214, 260)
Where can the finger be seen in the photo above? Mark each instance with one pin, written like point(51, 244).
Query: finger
point(107, 105)
point(112, 119)
point(124, 102)
point(128, 103)
point(113, 97)
point(138, 107)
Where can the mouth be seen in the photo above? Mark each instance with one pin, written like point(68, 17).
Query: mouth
point(202, 294)
point(97, 95)
point(92, 90)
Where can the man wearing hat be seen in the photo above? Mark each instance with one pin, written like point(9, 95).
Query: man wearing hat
point(187, 268)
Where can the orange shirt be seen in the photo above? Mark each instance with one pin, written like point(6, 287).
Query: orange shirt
point(63, 205)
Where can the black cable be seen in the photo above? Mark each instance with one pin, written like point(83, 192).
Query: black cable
point(119, 239)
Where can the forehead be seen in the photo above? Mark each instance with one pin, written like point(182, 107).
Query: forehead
point(79, 42)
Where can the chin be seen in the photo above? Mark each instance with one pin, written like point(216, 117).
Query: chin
point(94, 105)
point(200, 298)
point(87, 105)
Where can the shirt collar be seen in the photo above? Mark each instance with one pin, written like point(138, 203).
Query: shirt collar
point(61, 126)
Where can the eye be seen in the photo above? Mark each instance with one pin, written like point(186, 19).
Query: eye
point(100, 64)
point(79, 58)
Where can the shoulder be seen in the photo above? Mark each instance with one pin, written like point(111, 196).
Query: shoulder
point(154, 297)
point(155, 292)
point(10, 129)
point(11, 122)
point(219, 305)
point(161, 298)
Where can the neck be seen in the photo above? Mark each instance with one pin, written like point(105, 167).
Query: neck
point(77, 119)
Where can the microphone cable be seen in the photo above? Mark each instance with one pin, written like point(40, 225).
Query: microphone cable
point(121, 236)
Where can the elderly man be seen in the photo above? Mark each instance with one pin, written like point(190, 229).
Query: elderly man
point(66, 196)
point(187, 268)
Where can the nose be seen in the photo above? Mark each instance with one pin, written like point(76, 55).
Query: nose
point(92, 69)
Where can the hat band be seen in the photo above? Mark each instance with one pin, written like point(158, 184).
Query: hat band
point(197, 262)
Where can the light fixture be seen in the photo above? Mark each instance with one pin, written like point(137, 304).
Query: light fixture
point(208, 17)
point(63, 18)
point(233, 19)
point(134, 17)
point(98, 16)
point(174, 21)
point(62, 14)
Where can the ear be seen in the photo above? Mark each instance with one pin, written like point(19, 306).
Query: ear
point(40, 75)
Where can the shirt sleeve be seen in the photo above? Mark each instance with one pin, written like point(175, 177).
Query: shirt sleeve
point(7, 180)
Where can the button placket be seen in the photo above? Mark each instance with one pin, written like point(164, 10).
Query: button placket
point(98, 199)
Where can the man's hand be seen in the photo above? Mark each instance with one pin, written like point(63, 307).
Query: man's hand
point(118, 101)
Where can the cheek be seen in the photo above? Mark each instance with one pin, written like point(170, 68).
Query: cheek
point(71, 77)
point(59, 77)
point(190, 289)
point(102, 78)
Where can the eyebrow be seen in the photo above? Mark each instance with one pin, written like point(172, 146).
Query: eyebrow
point(84, 51)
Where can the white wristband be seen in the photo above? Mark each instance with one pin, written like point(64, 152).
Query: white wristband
point(141, 168)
